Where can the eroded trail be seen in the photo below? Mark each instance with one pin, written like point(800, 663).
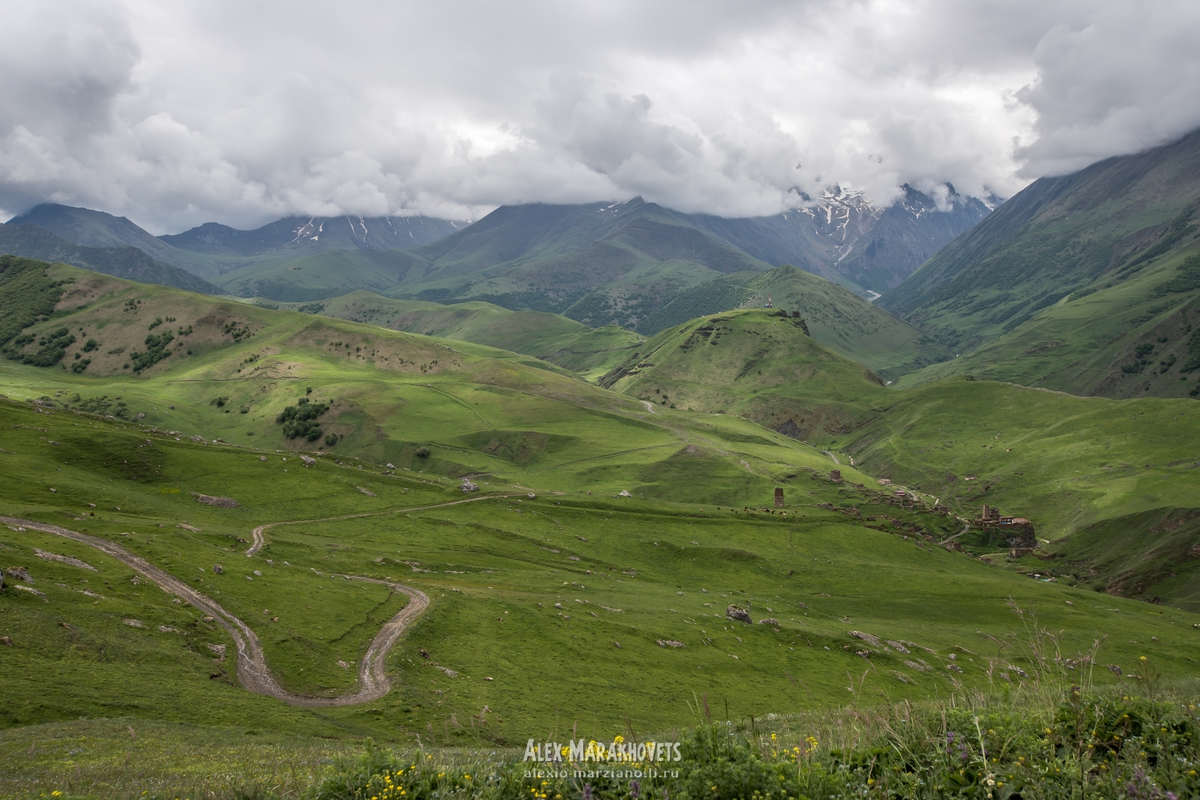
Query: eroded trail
point(259, 540)
point(252, 669)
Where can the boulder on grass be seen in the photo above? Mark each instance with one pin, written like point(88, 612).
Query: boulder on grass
point(738, 613)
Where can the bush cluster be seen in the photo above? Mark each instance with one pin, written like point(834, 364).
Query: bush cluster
point(301, 419)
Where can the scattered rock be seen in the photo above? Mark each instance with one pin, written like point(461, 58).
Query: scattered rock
point(20, 573)
point(257, 574)
point(866, 637)
point(32, 591)
point(954, 667)
point(468, 486)
point(262, 458)
point(488, 679)
point(624, 493)
point(449, 672)
point(167, 629)
point(670, 643)
point(187, 527)
point(343, 664)
point(365, 491)
point(74, 562)
point(769, 621)
point(219, 502)
point(308, 461)
point(219, 649)
point(218, 569)
point(424, 653)
point(7, 642)
point(390, 466)
point(897, 646)
point(1114, 669)
point(133, 623)
point(617, 645)
point(738, 613)
point(953, 656)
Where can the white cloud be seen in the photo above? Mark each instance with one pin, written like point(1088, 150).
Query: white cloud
point(179, 113)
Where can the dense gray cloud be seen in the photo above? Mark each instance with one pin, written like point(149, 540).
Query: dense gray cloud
point(179, 113)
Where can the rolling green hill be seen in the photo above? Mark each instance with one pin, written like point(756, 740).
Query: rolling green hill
point(836, 318)
point(273, 462)
point(760, 364)
point(589, 352)
point(1073, 279)
point(1066, 463)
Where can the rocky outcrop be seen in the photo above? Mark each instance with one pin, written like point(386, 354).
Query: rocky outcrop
point(219, 502)
point(19, 573)
point(738, 613)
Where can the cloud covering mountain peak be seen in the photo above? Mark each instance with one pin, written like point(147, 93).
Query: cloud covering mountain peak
point(176, 114)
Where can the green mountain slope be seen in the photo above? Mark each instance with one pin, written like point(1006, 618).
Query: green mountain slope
point(32, 241)
point(211, 250)
point(600, 264)
point(759, 364)
point(1066, 463)
point(523, 590)
point(1134, 338)
point(89, 228)
point(836, 317)
point(300, 236)
point(1095, 229)
point(546, 567)
point(589, 352)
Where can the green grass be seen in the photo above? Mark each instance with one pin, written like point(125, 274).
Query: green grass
point(414, 414)
point(490, 564)
point(589, 352)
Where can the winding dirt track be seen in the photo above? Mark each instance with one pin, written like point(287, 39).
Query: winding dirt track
point(259, 540)
point(252, 669)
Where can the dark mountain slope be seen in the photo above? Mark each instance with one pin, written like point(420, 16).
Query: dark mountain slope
point(309, 235)
point(32, 241)
point(848, 241)
point(83, 226)
point(1099, 226)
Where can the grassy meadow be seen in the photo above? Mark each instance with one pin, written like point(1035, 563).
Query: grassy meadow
point(581, 590)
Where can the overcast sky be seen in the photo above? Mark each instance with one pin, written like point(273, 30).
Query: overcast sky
point(181, 112)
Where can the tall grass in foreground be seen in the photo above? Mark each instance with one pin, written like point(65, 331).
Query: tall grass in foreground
point(1040, 730)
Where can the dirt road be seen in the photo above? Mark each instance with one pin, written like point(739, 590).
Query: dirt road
point(252, 670)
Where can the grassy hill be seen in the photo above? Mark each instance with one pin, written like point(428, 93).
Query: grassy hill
point(589, 352)
point(1043, 275)
point(836, 317)
point(524, 590)
point(1066, 463)
point(548, 575)
point(758, 363)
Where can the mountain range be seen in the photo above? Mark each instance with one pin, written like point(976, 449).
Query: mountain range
point(1087, 283)
point(841, 237)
